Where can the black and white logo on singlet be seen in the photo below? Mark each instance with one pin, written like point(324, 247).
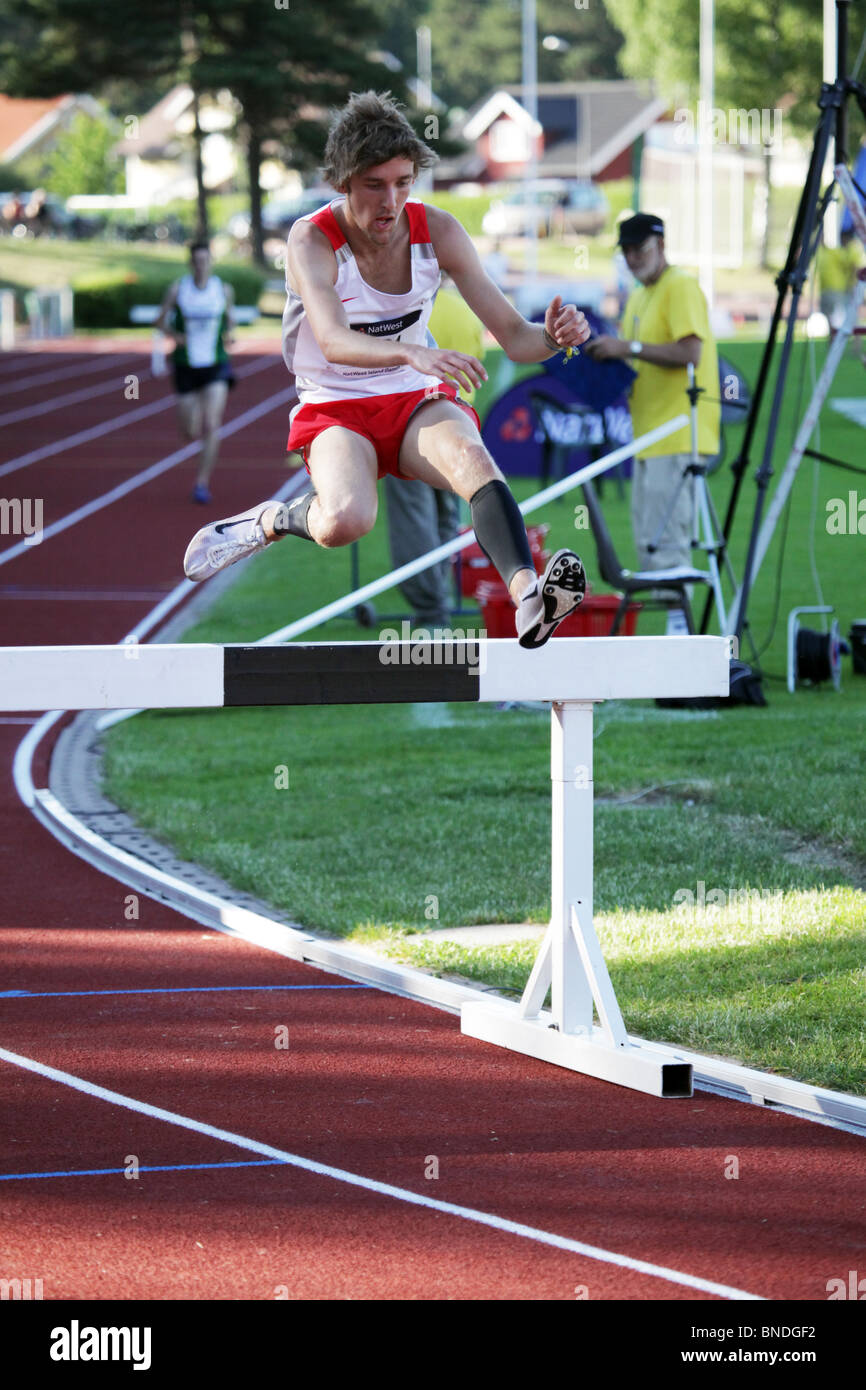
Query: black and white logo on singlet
point(384, 328)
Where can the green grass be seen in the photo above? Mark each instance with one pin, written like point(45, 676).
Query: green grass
point(49, 263)
point(52, 263)
point(400, 821)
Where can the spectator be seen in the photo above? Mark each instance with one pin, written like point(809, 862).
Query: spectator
point(666, 327)
point(837, 274)
point(13, 213)
point(37, 213)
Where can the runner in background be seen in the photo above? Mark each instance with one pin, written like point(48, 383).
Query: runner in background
point(197, 314)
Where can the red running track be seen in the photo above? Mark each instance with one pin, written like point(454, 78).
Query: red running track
point(375, 1088)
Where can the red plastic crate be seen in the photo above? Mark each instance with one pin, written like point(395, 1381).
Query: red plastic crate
point(477, 568)
point(594, 617)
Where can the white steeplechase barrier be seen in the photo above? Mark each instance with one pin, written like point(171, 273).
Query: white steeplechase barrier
point(573, 674)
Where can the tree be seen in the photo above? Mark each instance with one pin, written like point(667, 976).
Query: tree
point(489, 51)
point(52, 47)
point(280, 60)
point(82, 161)
point(768, 59)
point(766, 50)
point(48, 47)
point(281, 65)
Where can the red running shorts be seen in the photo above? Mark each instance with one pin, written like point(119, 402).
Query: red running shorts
point(381, 419)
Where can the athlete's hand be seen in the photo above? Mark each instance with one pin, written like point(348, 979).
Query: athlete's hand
point(566, 324)
point(447, 365)
point(606, 348)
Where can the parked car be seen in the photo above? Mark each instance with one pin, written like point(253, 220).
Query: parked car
point(38, 213)
point(279, 213)
point(556, 206)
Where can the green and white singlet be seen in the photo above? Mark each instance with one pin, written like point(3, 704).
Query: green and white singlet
point(202, 316)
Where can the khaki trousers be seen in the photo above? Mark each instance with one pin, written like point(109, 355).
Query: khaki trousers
point(656, 518)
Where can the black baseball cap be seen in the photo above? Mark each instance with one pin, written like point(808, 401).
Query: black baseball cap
point(636, 229)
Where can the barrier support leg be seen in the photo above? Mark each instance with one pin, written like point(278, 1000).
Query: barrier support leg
point(570, 963)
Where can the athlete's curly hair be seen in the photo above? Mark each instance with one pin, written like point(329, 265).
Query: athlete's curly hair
point(370, 130)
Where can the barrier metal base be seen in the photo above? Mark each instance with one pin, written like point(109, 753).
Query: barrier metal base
point(639, 1068)
point(570, 963)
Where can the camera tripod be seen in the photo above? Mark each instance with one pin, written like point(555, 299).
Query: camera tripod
point(706, 533)
point(803, 246)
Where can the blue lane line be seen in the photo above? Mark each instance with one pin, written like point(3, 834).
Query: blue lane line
point(186, 989)
point(158, 1168)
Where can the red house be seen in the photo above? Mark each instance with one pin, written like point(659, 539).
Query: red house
point(585, 130)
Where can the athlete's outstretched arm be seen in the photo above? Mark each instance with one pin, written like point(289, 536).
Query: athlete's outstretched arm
point(229, 335)
point(312, 273)
point(522, 341)
point(168, 303)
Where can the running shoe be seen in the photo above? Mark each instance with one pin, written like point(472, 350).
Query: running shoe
point(223, 543)
point(553, 596)
point(201, 494)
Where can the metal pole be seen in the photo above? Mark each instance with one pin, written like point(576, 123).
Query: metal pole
point(705, 151)
point(424, 51)
point(530, 102)
point(806, 224)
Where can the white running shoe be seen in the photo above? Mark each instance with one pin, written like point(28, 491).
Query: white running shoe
point(222, 543)
point(553, 596)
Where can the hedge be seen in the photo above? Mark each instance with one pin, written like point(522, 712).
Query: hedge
point(104, 298)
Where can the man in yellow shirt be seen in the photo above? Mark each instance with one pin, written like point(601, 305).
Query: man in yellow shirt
point(837, 275)
point(665, 326)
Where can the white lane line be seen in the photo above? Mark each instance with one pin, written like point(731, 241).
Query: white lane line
point(400, 1194)
point(87, 393)
point(71, 441)
point(23, 354)
point(139, 480)
point(10, 592)
point(117, 422)
point(106, 362)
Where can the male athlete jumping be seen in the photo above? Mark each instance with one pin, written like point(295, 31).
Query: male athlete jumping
point(361, 277)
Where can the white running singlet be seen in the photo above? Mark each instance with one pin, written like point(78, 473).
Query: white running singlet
point(201, 316)
point(392, 316)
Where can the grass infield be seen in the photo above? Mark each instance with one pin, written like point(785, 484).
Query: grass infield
point(730, 847)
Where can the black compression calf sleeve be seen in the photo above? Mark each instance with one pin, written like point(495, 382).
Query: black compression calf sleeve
point(291, 518)
point(500, 529)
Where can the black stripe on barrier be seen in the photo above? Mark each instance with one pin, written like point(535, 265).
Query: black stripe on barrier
point(352, 673)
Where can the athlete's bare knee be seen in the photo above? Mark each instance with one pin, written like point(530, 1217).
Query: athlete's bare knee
point(342, 525)
point(473, 454)
point(472, 467)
